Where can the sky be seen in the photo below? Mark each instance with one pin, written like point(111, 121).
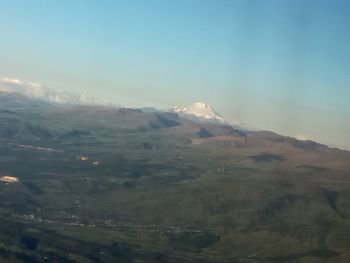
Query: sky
point(279, 65)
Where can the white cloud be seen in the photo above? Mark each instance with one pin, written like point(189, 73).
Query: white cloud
point(38, 91)
point(13, 81)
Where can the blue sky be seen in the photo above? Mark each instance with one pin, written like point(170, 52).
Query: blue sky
point(277, 65)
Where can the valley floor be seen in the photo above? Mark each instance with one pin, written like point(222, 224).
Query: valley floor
point(205, 201)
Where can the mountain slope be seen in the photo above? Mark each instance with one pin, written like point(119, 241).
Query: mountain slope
point(158, 187)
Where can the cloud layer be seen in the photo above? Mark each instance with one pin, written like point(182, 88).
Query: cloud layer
point(38, 91)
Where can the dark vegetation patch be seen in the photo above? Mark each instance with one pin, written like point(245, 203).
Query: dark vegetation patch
point(275, 207)
point(10, 128)
point(332, 197)
point(203, 133)
point(321, 253)
point(8, 111)
point(75, 133)
point(28, 258)
point(267, 157)
point(54, 257)
point(130, 184)
point(235, 132)
point(39, 131)
point(32, 187)
point(308, 145)
point(164, 122)
point(30, 242)
point(55, 247)
point(193, 241)
point(148, 146)
point(137, 171)
point(170, 115)
point(313, 168)
point(218, 206)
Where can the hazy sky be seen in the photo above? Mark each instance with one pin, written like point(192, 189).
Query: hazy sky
point(281, 65)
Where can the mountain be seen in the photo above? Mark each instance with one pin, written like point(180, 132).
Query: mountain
point(17, 101)
point(199, 111)
point(24, 117)
point(96, 184)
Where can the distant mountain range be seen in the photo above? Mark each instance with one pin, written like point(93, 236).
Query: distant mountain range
point(182, 175)
point(29, 110)
point(27, 117)
point(197, 111)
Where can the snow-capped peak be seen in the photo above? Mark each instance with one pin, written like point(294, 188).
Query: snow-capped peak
point(199, 111)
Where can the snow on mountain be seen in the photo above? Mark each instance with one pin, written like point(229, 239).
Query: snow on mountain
point(38, 91)
point(199, 111)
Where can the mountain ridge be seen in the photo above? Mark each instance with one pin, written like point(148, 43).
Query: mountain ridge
point(133, 118)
